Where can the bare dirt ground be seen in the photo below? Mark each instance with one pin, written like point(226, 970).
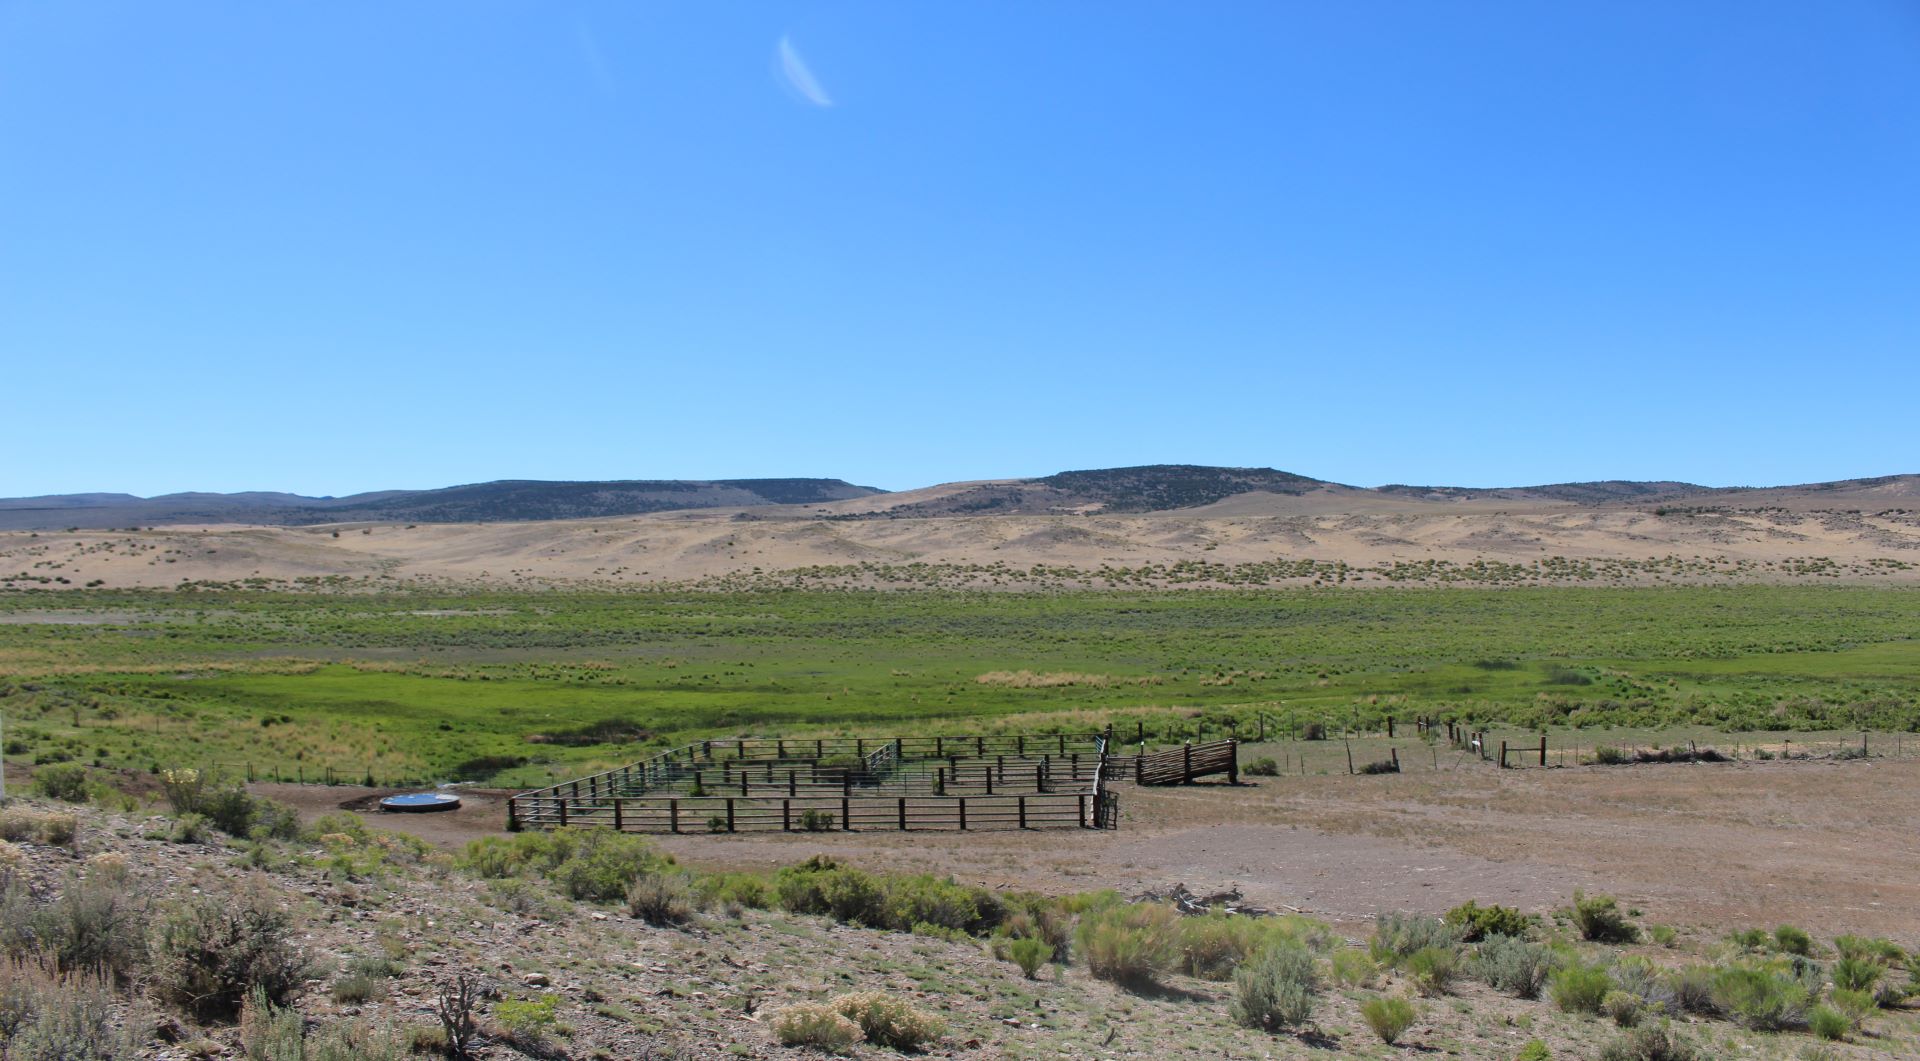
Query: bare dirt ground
point(1829, 846)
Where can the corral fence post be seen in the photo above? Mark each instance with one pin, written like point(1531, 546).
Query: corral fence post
point(1233, 762)
point(1023, 812)
point(619, 826)
point(729, 813)
point(786, 815)
point(1186, 763)
point(673, 815)
point(1503, 755)
point(846, 814)
point(1543, 749)
point(963, 814)
point(903, 814)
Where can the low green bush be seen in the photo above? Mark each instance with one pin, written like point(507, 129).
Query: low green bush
point(1212, 945)
point(1828, 1023)
point(1477, 922)
point(1788, 939)
point(1691, 987)
point(1397, 935)
point(1600, 920)
point(1388, 1018)
point(1276, 988)
point(580, 863)
point(210, 950)
point(1432, 969)
point(1856, 974)
point(1649, 1043)
point(1134, 944)
point(1263, 767)
point(66, 782)
point(1622, 1007)
point(1759, 997)
point(1579, 988)
point(1353, 967)
point(1029, 954)
point(661, 899)
point(1513, 966)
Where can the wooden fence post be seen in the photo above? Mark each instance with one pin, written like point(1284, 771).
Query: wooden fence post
point(963, 814)
point(1186, 763)
point(786, 815)
point(1023, 812)
point(846, 814)
point(1543, 749)
point(729, 813)
point(903, 814)
point(673, 815)
point(1233, 762)
point(618, 825)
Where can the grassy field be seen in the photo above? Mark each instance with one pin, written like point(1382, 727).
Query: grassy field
point(521, 688)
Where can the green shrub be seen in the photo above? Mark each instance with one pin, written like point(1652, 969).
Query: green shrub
point(1133, 944)
point(1353, 968)
point(660, 899)
point(1579, 988)
point(1622, 1007)
point(1883, 951)
point(1214, 944)
point(1276, 988)
point(816, 821)
point(1661, 935)
point(1396, 935)
point(1263, 767)
point(1754, 939)
point(1432, 969)
point(581, 863)
point(1513, 966)
point(1534, 1050)
point(358, 987)
point(746, 889)
point(1649, 1043)
point(888, 1021)
point(1477, 922)
point(209, 951)
point(1692, 989)
point(1856, 974)
point(91, 926)
point(1030, 954)
point(528, 1021)
point(1790, 940)
point(1600, 920)
point(66, 782)
point(51, 1017)
point(1856, 1006)
point(1828, 1023)
point(1389, 1018)
point(814, 1024)
point(1760, 998)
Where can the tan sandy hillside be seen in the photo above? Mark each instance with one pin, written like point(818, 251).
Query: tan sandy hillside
point(1871, 531)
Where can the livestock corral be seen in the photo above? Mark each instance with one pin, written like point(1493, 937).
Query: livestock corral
point(960, 783)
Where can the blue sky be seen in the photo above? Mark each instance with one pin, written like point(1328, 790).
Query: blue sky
point(330, 247)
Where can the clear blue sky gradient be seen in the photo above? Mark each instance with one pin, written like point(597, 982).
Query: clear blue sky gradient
point(330, 247)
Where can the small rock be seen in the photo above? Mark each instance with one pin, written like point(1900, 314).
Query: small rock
point(535, 980)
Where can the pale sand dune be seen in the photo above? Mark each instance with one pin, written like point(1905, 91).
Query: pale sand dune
point(678, 547)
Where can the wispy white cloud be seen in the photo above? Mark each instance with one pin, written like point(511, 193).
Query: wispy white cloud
point(799, 77)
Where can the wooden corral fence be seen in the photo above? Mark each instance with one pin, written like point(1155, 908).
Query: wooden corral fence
point(1179, 766)
point(1013, 781)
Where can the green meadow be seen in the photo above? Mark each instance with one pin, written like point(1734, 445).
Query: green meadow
point(519, 688)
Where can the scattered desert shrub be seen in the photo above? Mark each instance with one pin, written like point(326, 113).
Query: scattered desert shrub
point(1534, 1050)
point(1432, 969)
point(1828, 1023)
point(528, 1022)
point(1039, 917)
point(1130, 944)
point(1788, 939)
point(209, 951)
point(357, 987)
point(1477, 922)
point(1856, 1006)
point(1643, 980)
point(25, 825)
point(1759, 997)
point(47, 1016)
point(1622, 1007)
point(1389, 1018)
point(1649, 1043)
point(66, 782)
point(1662, 935)
point(743, 889)
point(814, 1024)
point(1600, 920)
point(1353, 967)
point(897, 902)
point(660, 899)
point(1513, 966)
point(1029, 954)
point(1214, 944)
point(1263, 767)
point(525, 898)
point(1396, 936)
point(1883, 951)
point(1856, 974)
point(1692, 989)
point(581, 863)
point(888, 1021)
point(92, 926)
point(1579, 988)
point(1276, 988)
